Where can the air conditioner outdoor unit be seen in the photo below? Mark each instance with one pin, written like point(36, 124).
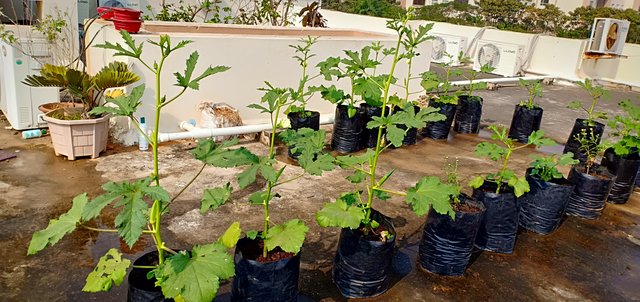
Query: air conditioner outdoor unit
point(608, 36)
point(18, 101)
point(504, 57)
point(447, 44)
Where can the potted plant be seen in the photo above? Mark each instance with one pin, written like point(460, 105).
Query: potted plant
point(528, 115)
point(590, 124)
point(623, 158)
point(590, 180)
point(268, 261)
point(297, 111)
point(469, 109)
point(448, 239)
point(363, 258)
point(498, 191)
point(77, 131)
point(182, 275)
point(445, 102)
point(542, 208)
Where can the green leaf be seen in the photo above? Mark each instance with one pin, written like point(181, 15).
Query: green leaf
point(252, 234)
point(258, 198)
point(574, 105)
point(490, 150)
point(57, 228)
point(431, 192)
point(231, 235)
point(537, 138)
point(221, 155)
point(476, 182)
point(214, 198)
point(322, 163)
point(267, 170)
point(111, 269)
point(248, 176)
point(333, 94)
point(349, 161)
point(357, 177)
point(340, 214)
point(288, 236)
point(395, 135)
point(519, 185)
point(195, 277)
point(132, 218)
point(125, 105)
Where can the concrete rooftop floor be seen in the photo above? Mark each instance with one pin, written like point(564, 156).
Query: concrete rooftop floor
point(585, 260)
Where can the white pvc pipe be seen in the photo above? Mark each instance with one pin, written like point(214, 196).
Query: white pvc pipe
point(194, 132)
point(502, 80)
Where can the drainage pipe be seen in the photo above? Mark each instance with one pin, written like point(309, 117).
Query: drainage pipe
point(193, 132)
point(502, 80)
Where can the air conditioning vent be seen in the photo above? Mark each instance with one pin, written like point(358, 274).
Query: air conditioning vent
point(447, 44)
point(504, 57)
point(608, 36)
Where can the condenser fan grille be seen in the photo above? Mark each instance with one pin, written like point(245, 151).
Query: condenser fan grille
point(489, 54)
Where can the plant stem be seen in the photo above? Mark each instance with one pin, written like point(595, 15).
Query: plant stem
point(187, 185)
point(270, 185)
point(391, 191)
point(504, 168)
point(156, 174)
point(289, 180)
point(99, 230)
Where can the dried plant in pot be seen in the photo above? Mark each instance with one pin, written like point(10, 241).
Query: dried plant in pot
point(77, 131)
point(187, 275)
point(498, 191)
point(527, 115)
point(362, 264)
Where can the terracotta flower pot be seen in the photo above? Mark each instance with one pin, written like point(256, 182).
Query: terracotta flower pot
point(48, 107)
point(131, 26)
point(126, 13)
point(74, 138)
point(105, 13)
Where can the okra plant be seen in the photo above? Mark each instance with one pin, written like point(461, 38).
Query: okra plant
point(503, 154)
point(627, 129)
point(353, 209)
point(471, 75)
point(182, 275)
point(546, 167)
point(596, 92)
point(303, 93)
point(432, 82)
point(534, 88)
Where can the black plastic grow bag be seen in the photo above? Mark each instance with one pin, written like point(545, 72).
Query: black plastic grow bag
point(142, 289)
point(542, 208)
point(298, 120)
point(524, 122)
point(346, 130)
point(440, 130)
point(624, 171)
point(447, 244)
point(589, 193)
point(263, 282)
point(468, 114)
point(573, 145)
point(361, 267)
point(369, 137)
point(498, 229)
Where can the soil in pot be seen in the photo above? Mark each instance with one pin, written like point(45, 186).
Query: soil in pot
point(573, 145)
point(362, 265)
point(274, 278)
point(589, 193)
point(369, 137)
point(524, 122)
point(497, 232)
point(305, 119)
point(625, 171)
point(447, 244)
point(347, 130)
point(542, 208)
point(468, 114)
point(440, 130)
point(142, 289)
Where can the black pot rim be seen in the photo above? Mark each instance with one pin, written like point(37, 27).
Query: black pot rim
point(596, 168)
point(298, 113)
point(466, 199)
point(582, 121)
point(253, 262)
point(631, 156)
point(564, 182)
point(535, 108)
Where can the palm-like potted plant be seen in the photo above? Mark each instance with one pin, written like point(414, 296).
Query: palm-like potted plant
point(590, 123)
point(363, 259)
point(469, 109)
point(542, 208)
point(528, 115)
point(623, 158)
point(164, 273)
point(498, 191)
point(590, 180)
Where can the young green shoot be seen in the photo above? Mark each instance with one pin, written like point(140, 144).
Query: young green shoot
point(546, 167)
point(590, 147)
point(303, 93)
point(431, 81)
point(471, 75)
point(596, 92)
point(534, 88)
point(626, 128)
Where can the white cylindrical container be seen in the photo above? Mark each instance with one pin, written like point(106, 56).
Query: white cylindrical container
point(143, 144)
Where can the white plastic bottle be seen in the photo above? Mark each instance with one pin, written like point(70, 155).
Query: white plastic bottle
point(143, 144)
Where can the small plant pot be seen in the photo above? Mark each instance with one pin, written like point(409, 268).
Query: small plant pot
point(122, 13)
point(306, 119)
point(362, 267)
point(542, 208)
point(589, 193)
point(369, 137)
point(140, 288)
point(468, 114)
point(524, 122)
point(346, 130)
point(447, 244)
point(499, 225)
point(130, 26)
point(411, 137)
point(48, 107)
point(263, 281)
point(573, 145)
point(440, 130)
point(106, 13)
point(624, 171)
point(73, 138)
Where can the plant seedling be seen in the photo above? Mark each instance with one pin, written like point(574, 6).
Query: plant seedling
point(472, 75)
point(182, 275)
point(353, 209)
point(596, 92)
point(626, 129)
point(591, 147)
point(503, 154)
point(302, 94)
point(534, 88)
point(431, 81)
point(546, 167)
